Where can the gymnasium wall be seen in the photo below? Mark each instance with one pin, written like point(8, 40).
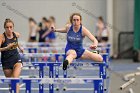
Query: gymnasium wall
point(20, 10)
point(123, 21)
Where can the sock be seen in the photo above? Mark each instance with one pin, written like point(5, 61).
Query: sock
point(65, 64)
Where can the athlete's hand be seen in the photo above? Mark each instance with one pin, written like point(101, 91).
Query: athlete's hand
point(52, 28)
point(10, 45)
point(93, 46)
point(43, 36)
point(13, 45)
point(22, 50)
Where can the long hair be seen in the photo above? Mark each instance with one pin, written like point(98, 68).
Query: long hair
point(71, 17)
point(8, 21)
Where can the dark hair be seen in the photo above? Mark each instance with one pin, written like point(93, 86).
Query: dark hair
point(40, 24)
point(32, 20)
point(44, 18)
point(8, 21)
point(53, 18)
point(71, 17)
point(101, 18)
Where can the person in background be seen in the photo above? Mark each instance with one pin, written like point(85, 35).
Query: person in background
point(102, 33)
point(41, 32)
point(50, 34)
point(32, 30)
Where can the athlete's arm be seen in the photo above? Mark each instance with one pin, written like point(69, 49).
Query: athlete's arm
point(21, 49)
point(87, 33)
point(7, 47)
point(62, 30)
point(1, 40)
point(46, 33)
point(18, 35)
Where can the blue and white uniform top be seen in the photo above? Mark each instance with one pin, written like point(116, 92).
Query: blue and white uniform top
point(75, 41)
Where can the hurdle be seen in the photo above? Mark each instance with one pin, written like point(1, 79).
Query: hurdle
point(76, 63)
point(39, 44)
point(97, 83)
point(41, 65)
point(57, 55)
point(99, 44)
point(48, 49)
point(35, 55)
point(51, 65)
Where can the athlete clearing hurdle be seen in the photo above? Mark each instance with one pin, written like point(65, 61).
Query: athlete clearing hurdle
point(75, 35)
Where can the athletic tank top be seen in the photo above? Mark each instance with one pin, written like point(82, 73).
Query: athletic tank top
point(11, 53)
point(74, 39)
point(104, 33)
point(33, 31)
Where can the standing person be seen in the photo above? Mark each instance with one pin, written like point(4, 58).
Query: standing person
point(41, 32)
point(75, 35)
point(50, 34)
point(42, 29)
point(33, 30)
point(102, 33)
point(45, 29)
point(10, 57)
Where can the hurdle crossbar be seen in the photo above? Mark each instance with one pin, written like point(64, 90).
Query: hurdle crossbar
point(98, 83)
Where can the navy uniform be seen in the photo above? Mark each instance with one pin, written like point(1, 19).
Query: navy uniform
point(10, 57)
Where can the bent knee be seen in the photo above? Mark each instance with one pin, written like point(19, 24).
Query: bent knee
point(100, 58)
point(73, 55)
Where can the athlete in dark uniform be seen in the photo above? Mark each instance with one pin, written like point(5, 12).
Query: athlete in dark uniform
point(10, 58)
point(75, 34)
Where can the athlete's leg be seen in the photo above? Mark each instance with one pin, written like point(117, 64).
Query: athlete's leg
point(16, 73)
point(17, 70)
point(71, 55)
point(7, 72)
point(92, 56)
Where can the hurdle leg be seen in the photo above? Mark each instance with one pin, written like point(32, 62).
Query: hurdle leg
point(13, 85)
point(57, 76)
point(56, 71)
point(28, 86)
point(41, 75)
point(65, 76)
point(98, 86)
point(65, 73)
point(102, 73)
point(51, 86)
